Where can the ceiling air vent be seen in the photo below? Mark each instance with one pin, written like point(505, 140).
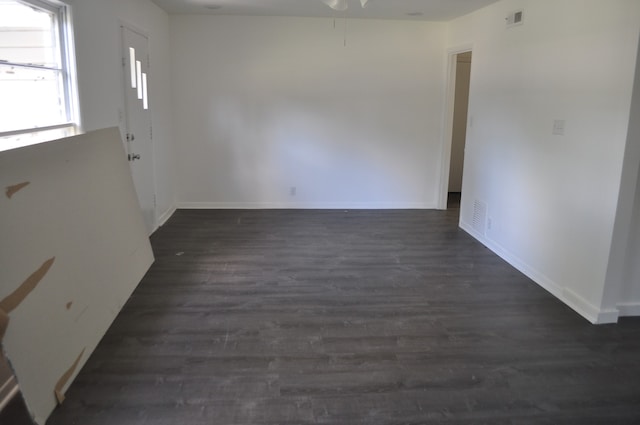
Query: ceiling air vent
point(515, 18)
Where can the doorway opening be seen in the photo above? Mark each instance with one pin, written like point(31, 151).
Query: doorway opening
point(459, 128)
point(457, 121)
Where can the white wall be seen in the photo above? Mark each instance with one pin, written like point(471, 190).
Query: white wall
point(265, 104)
point(552, 200)
point(98, 51)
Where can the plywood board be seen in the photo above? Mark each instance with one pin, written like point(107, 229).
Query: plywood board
point(73, 249)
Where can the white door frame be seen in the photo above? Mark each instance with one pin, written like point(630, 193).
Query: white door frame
point(445, 163)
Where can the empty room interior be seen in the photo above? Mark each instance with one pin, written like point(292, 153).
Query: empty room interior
point(319, 212)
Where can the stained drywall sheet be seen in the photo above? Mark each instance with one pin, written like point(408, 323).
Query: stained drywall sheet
point(73, 249)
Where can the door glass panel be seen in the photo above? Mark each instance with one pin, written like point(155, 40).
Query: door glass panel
point(145, 98)
point(139, 78)
point(132, 61)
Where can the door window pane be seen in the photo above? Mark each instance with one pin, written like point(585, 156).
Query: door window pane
point(139, 78)
point(132, 62)
point(145, 95)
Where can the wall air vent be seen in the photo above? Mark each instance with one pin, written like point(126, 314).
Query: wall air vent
point(515, 18)
point(479, 217)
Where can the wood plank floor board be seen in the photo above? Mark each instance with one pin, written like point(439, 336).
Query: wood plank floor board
point(348, 317)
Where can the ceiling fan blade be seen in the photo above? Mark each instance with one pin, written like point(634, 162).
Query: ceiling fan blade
point(364, 3)
point(336, 4)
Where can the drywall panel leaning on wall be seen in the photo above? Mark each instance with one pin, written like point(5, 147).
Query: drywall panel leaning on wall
point(73, 249)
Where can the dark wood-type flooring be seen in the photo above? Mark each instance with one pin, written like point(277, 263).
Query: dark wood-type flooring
point(358, 317)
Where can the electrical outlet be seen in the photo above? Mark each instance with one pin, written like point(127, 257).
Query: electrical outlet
point(558, 127)
point(293, 191)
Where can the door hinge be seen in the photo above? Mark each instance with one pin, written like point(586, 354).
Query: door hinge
point(124, 62)
point(154, 201)
point(151, 133)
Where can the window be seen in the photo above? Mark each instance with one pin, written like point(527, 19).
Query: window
point(37, 88)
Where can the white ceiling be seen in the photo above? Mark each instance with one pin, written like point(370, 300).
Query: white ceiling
point(427, 10)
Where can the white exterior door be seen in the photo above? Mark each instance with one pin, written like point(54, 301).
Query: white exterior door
point(137, 121)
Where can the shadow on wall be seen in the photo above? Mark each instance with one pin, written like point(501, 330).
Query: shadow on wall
point(298, 147)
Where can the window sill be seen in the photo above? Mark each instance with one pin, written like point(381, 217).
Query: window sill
point(15, 141)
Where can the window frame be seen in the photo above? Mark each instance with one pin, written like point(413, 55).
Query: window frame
point(64, 31)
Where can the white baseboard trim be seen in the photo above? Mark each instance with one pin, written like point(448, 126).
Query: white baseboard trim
point(160, 221)
point(629, 309)
point(304, 206)
point(164, 217)
point(541, 279)
point(577, 303)
point(588, 310)
point(607, 316)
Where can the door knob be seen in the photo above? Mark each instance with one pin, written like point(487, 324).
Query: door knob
point(133, 157)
